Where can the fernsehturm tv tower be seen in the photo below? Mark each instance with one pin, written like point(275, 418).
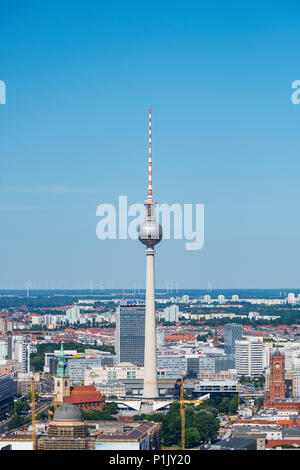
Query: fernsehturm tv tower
point(150, 233)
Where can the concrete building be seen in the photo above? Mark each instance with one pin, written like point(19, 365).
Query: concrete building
point(138, 435)
point(173, 366)
point(209, 362)
point(249, 356)
point(3, 349)
point(50, 320)
point(112, 389)
point(171, 313)
point(160, 338)
point(21, 352)
point(73, 315)
point(77, 366)
point(109, 374)
point(36, 319)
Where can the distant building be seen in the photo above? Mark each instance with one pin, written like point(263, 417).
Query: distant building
point(21, 352)
point(77, 366)
point(160, 337)
point(50, 320)
point(119, 372)
point(173, 366)
point(291, 298)
point(73, 315)
point(232, 332)
point(112, 389)
point(3, 349)
point(36, 319)
point(171, 313)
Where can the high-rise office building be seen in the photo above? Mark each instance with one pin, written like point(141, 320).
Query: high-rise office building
point(232, 332)
point(21, 352)
point(249, 356)
point(130, 333)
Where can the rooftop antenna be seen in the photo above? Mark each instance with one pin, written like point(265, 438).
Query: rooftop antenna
point(150, 162)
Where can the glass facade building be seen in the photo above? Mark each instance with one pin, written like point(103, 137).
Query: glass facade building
point(232, 333)
point(130, 334)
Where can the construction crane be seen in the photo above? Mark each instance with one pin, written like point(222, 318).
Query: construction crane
point(50, 413)
point(182, 403)
point(33, 413)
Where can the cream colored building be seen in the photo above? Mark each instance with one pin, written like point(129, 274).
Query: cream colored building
point(103, 375)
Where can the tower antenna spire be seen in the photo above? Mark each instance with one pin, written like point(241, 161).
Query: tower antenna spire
point(150, 161)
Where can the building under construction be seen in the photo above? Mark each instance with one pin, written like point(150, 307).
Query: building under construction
point(68, 431)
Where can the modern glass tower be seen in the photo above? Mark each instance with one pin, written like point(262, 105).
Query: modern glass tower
point(232, 333)
point(130, 333)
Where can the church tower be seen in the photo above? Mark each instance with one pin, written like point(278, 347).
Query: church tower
point(61, 381)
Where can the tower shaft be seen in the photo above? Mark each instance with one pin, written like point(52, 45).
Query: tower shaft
point(150, 371)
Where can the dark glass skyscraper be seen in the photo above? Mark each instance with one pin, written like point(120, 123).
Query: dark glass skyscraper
point(232, 332)
point(130, 333)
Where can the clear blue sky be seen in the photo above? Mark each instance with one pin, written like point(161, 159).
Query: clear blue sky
point(80, 78)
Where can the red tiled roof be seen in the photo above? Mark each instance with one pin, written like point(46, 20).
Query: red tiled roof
point(84, 394)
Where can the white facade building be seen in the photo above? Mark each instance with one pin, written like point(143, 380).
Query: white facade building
point(249, 356)
point(171, 313)
point(21, 352)
point(104, 375)
point(73, 314)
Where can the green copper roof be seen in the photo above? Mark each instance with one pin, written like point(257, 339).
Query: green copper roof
point(62, 363)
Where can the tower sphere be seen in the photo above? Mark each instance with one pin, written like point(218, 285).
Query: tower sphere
point(150, 232)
